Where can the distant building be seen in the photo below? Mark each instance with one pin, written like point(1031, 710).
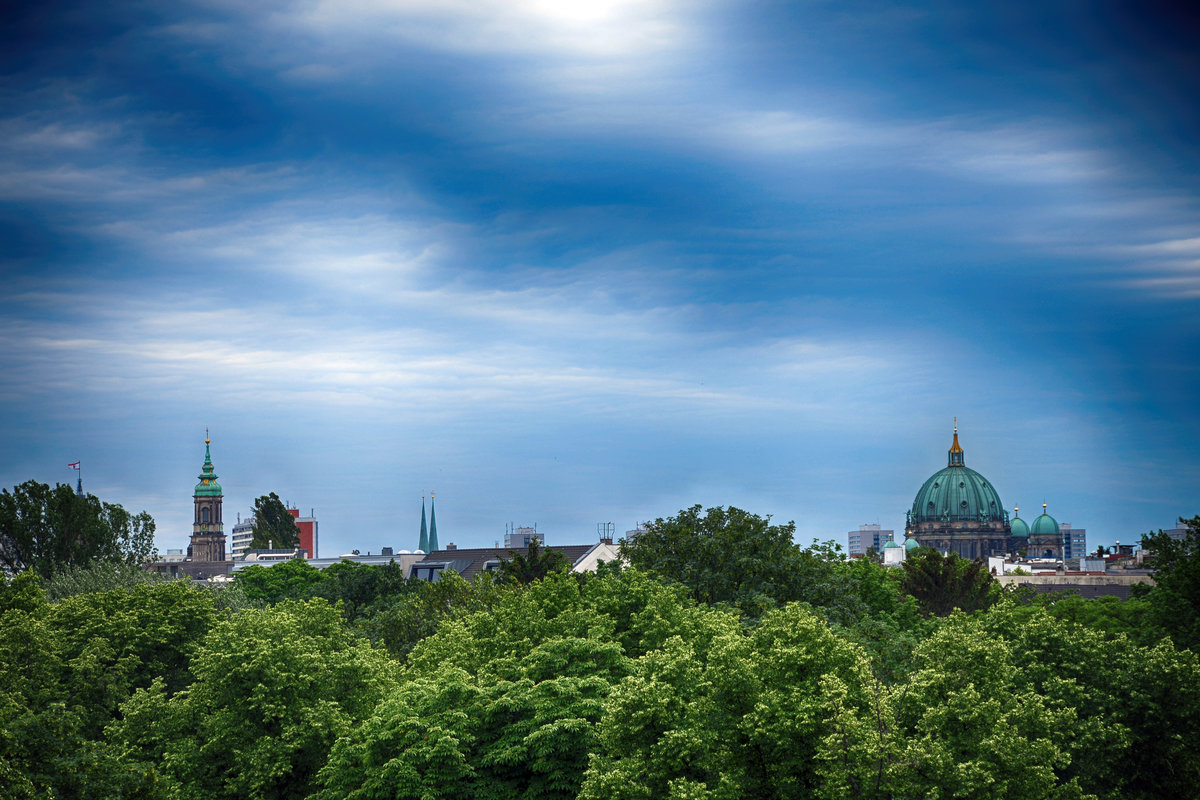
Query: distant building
point(1074, 541)
point(208, 531)
point(308, 533)
point(1109, 584)
point(243, 534)
point(470, 562)
point(267, 557)
point(957, 510)
point(866, 537)
point(1178, 533)
point(429, 536)
point(205, 558)
point(516, 538)
point(240, 536)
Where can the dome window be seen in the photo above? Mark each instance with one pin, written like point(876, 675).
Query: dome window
point(963, 503)
point(935, 486)
point(962, 485)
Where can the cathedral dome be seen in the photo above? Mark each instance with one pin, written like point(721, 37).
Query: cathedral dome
point(1044, 525)
point(1019, 526)
point(957, 494)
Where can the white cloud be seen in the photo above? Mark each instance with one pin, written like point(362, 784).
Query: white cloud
point(578, 29)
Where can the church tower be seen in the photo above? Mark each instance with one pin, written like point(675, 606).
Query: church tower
point(208, 533)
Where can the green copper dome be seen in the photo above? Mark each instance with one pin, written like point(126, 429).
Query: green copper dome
point(1019, 527)
point(911, 544)
point(1044, 524)
point(957, 494)
point(208, 486)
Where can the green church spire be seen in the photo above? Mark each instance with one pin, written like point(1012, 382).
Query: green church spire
point(433, 542)
point(423, 545)
point(208, 486)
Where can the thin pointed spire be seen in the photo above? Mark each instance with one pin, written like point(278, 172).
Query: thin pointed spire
point(433, 542)
point(423, 545)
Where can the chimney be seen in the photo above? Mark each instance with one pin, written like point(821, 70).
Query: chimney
point(452, 546)
point(605, 540)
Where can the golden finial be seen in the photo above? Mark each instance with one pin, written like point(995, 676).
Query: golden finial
point(955, 448)
point(206, 439)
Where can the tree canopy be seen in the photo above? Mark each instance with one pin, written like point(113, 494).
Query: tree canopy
point(354, 682)
point(1175, 597)
point(534, 564)
point(50, 529)
point(942, 583)
point(274, 528)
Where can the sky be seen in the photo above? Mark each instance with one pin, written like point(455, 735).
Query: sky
point(565, 264)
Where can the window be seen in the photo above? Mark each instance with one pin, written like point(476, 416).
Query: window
point(428, 572)
point(491, 566)
point(204, 514)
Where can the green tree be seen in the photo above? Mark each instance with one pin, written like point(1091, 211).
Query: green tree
point(534, 564)
point(721, 712)
point(274, 527)
point(287, 580)
point(399, 622)
point(361, 588)
point(98, 576)
point(272, 690)
point(48, 529)
point(118, 641)
point(1175, 597)
point(63, 670)
point(732, 556)
point(943, 583)
point(967, 724)
point(506, 701)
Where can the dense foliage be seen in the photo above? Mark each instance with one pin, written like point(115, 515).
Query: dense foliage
point(274, 527)
point(662, 679)
point(943, 582)
point(534, 564)
point(50, 529)
point(1175, 599)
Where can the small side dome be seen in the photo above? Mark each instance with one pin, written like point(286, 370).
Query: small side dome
point(890, 543)
point(1019, 526)
point(911, 544)
point(1044, 525)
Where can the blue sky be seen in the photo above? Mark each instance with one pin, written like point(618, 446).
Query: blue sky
point(576, 263)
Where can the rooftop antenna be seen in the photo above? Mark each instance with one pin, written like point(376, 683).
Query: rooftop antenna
point(79, 478)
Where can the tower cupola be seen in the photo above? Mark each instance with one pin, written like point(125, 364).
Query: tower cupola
point(956, 452)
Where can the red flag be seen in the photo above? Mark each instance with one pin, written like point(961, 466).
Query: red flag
point(74, 466)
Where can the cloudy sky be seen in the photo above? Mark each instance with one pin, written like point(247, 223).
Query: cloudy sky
point(595, 261)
